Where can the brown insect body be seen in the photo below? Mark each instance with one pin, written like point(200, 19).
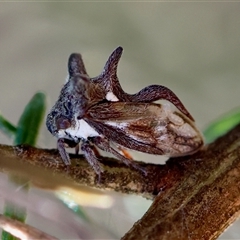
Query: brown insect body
point(97, 112)
point(145, 127)
point(108, 81)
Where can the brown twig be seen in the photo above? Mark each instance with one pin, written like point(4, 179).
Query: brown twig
point(22, 230)
point(195, 197)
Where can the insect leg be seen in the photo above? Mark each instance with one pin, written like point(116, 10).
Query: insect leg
point(77, 149)
point(62, 151)
point(96, 152)
point(104, 145)
point(89, 153)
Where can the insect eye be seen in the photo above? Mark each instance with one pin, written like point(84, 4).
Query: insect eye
point(63, 123)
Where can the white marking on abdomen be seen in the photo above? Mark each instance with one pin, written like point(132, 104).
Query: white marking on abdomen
point(80, 130)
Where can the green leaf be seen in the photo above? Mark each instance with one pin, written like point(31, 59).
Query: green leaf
point(25, 133)
point(30, 121)
point(8, 236)
point(7, 128)
point(222, 125)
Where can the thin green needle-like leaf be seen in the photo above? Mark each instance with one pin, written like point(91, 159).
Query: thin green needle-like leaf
point(26, 133)
point(221, 126)
point(7, 128)
point(30, 121)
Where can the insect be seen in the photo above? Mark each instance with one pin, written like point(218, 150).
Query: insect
point(97, 113)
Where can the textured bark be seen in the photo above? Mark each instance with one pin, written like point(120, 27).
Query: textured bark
point(195, 197)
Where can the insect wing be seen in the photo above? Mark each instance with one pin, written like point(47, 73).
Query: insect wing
point(146, 127)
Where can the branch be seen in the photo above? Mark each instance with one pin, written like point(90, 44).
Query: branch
point(22, 230)
point(202, 195)
point(195, 197)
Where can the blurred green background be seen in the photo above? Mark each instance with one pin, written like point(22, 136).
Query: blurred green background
point(192, 48)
